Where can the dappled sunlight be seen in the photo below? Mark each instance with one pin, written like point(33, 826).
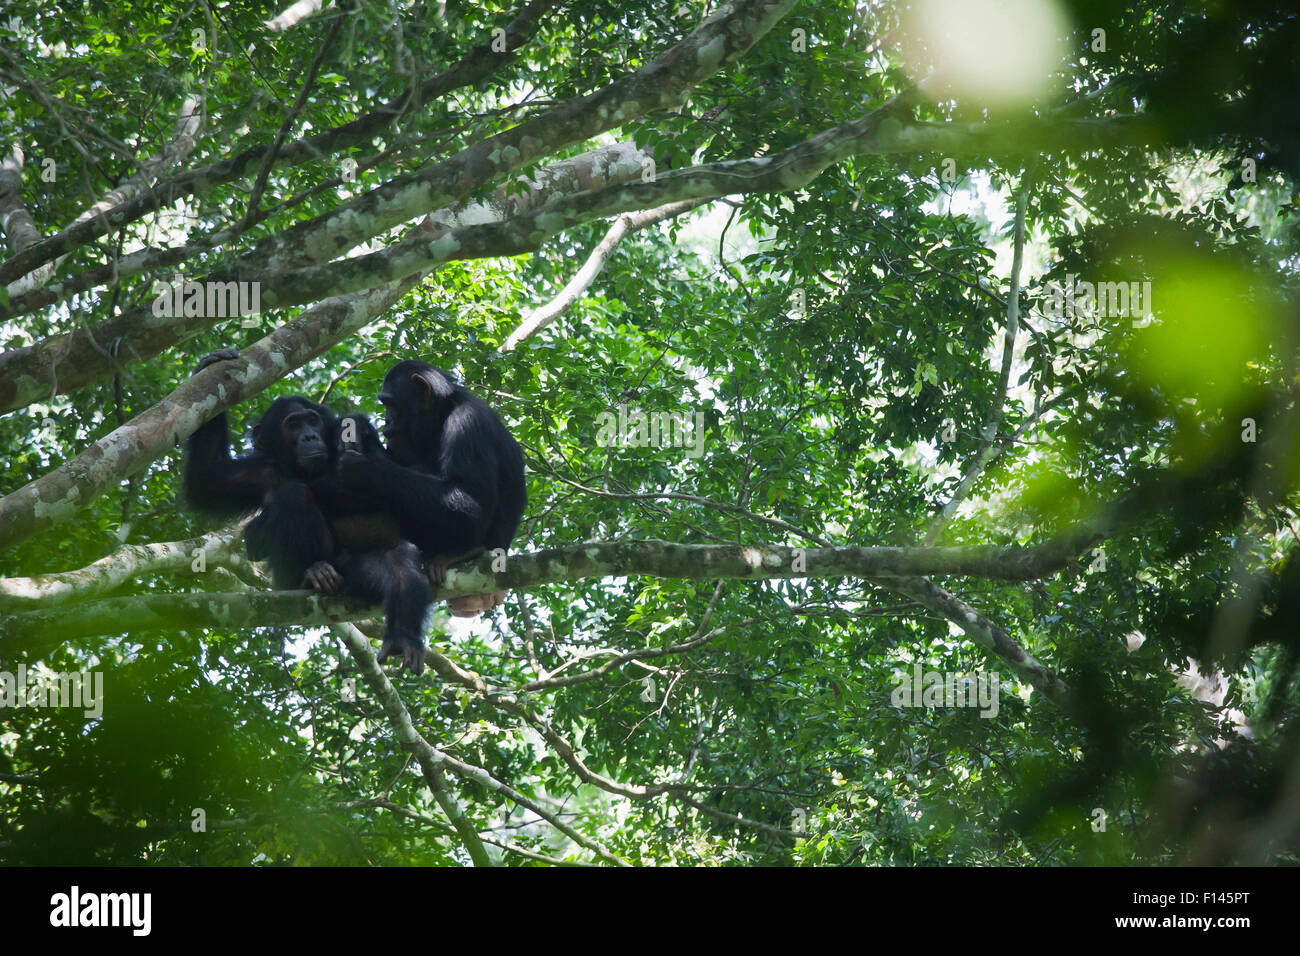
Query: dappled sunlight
point(984, 52)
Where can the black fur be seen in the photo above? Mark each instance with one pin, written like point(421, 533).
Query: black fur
point(311, 530)
point(452, 475)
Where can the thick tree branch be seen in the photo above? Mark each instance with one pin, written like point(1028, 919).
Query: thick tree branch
point(599, 167)
point(58, 495)
point(721, 39)
point(478, 64)
point(43, 628)
point(15, 221)
point(67, 361)
point(293, 14)
point(792, 168)
point(219, 549)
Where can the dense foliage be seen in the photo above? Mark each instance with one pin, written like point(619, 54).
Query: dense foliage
point(841, 345)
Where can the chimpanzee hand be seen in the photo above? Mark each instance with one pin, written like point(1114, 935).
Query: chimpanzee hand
point(220, 355)
point(408, 647)
point(357, 434)
point(322, 577)
point(439, 564)
point(359, 443)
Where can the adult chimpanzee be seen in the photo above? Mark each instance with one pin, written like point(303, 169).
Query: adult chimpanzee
point(453, 475)
point(311, 530)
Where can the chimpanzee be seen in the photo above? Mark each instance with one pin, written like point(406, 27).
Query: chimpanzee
point(452, 475)
point(312, 531)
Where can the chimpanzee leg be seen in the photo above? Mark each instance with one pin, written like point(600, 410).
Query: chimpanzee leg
point(396, 577)
point(294, 537)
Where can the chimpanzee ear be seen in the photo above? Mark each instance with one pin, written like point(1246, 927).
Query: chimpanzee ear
point(433, 385)
point(259, 437)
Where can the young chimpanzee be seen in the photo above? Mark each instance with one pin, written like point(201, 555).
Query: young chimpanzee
point(453, 475)
point(312, 531)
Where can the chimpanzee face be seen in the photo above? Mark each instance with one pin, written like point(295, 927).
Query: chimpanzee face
point(304, 433)
point(293, 433)
point(417, 399)
point(392, 415)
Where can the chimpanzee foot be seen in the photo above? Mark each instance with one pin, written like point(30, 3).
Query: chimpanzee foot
point(472, 605)
point(322, 577)
point(408, 648)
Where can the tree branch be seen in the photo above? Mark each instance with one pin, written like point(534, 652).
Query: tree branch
point(627, 223)
point(67, 361)
point(984, 633)
point(181, 145)
point(430, 759)
point(478, 64)
point(15, 221)
point(41, 629)
point(990, 432)
point(219, 548)
point(722, 38)
point(792, 168)
point(59, 494)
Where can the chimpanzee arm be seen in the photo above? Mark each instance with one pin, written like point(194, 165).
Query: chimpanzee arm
point(214, 482)
point(358, 440)
point(447, 512)
point(438, 514)
point(293, 536)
